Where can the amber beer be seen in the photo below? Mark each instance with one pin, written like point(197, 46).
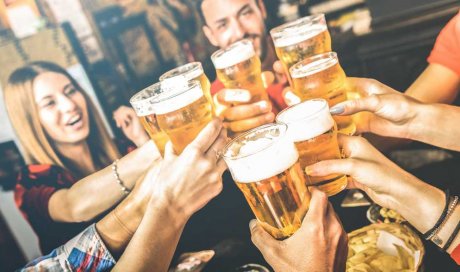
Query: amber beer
point(238, 67)
point(141, 103)
point(265, 166)
point(188, 72)
point(182, 110)
point(314, 133)
point(299, 39)
point(321, 76)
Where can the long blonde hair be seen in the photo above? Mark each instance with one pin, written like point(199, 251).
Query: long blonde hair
point(23, 113)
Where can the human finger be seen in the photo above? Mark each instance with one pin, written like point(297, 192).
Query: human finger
point(207, 135)
point(242, 112)
point(247, 124)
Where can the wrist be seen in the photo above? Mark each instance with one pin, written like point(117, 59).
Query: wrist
point(422, 124)
point(166, 205)
point(422, 206)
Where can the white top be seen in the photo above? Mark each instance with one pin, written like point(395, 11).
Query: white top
point(298, 35)
point(274, 156)
point(307, 120)
point(234, 54)
point(174, 97)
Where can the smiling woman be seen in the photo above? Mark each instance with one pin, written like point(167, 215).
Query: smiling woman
point(64, 140)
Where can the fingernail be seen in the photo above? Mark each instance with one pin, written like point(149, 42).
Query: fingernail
point(263, 105)
point(291, 98)
point(309, 171)
point(252, 224)
point(269, 117)
point(337, 109)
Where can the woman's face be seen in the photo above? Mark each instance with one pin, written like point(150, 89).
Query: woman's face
point(62, 108)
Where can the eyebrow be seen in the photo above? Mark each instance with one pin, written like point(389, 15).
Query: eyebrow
point(238, 13)
point(67, 86)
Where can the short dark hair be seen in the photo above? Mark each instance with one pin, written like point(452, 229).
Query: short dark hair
point(200, 10)
point(199, 4)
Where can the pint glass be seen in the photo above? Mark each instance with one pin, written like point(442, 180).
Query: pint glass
point(141, 103)
point(314, 133)
point(238, 67)
point(182, 110)
point(188, 72)
point(299, 39)
point(265, 166)
point(321, 76)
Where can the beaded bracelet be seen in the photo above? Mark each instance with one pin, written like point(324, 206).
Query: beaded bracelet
point(124, 189)
point(438, 241)
point(430, 232)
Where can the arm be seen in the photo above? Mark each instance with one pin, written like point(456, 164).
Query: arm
point(436, 84)
point(185, 184)
point(390, 186)
point(393, 114)
point(98, 192)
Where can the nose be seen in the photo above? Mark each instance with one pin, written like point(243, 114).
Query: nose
point(239, 31)
point(66, 104)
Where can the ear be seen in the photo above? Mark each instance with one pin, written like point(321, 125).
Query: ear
point(208, 33)
point(263, 11)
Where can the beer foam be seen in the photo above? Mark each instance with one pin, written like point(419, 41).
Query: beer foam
point(234, 54)
point(298, 34)
point(311, 66)
point(261, 158)
point(307, 120)
point(142, 101)
point(189, 71)
point(174, 97)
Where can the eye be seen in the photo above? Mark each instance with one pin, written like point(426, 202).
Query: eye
point(246, 12)
point(47, 103)
point(221, 26)
point(70, 91)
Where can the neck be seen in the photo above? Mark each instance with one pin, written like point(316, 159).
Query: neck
point(78, 156)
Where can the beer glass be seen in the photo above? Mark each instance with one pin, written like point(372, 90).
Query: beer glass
point(182, 110)
point(321, 76)
point(314, 133)
point(265, 166)
point(238, 67)
point(190, 71)
point(141, 103)
point(299, 39)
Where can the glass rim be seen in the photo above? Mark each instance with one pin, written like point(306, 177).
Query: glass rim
point(183, 69)
point(219, 53)
point(296, 27)
point(135, 99)
point(251, 131)
point(190, 85)
point(312, 116)
point(313, 62)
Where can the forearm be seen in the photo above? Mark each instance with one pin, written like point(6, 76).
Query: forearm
point(154, 243)
point(437, 124)
point(98, 192)
point(117, 228)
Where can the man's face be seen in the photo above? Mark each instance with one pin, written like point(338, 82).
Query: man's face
point(228, 21)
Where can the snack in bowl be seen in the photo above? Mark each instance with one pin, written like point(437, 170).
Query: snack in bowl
point(384, 248)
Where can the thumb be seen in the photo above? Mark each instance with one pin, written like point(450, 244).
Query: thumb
point(262, 240)
point(169, 151)
point(370, 103)
point(290, 97)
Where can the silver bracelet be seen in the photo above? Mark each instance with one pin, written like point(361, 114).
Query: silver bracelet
point(124, 189)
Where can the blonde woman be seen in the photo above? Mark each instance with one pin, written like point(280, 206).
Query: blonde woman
point(64, 143)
